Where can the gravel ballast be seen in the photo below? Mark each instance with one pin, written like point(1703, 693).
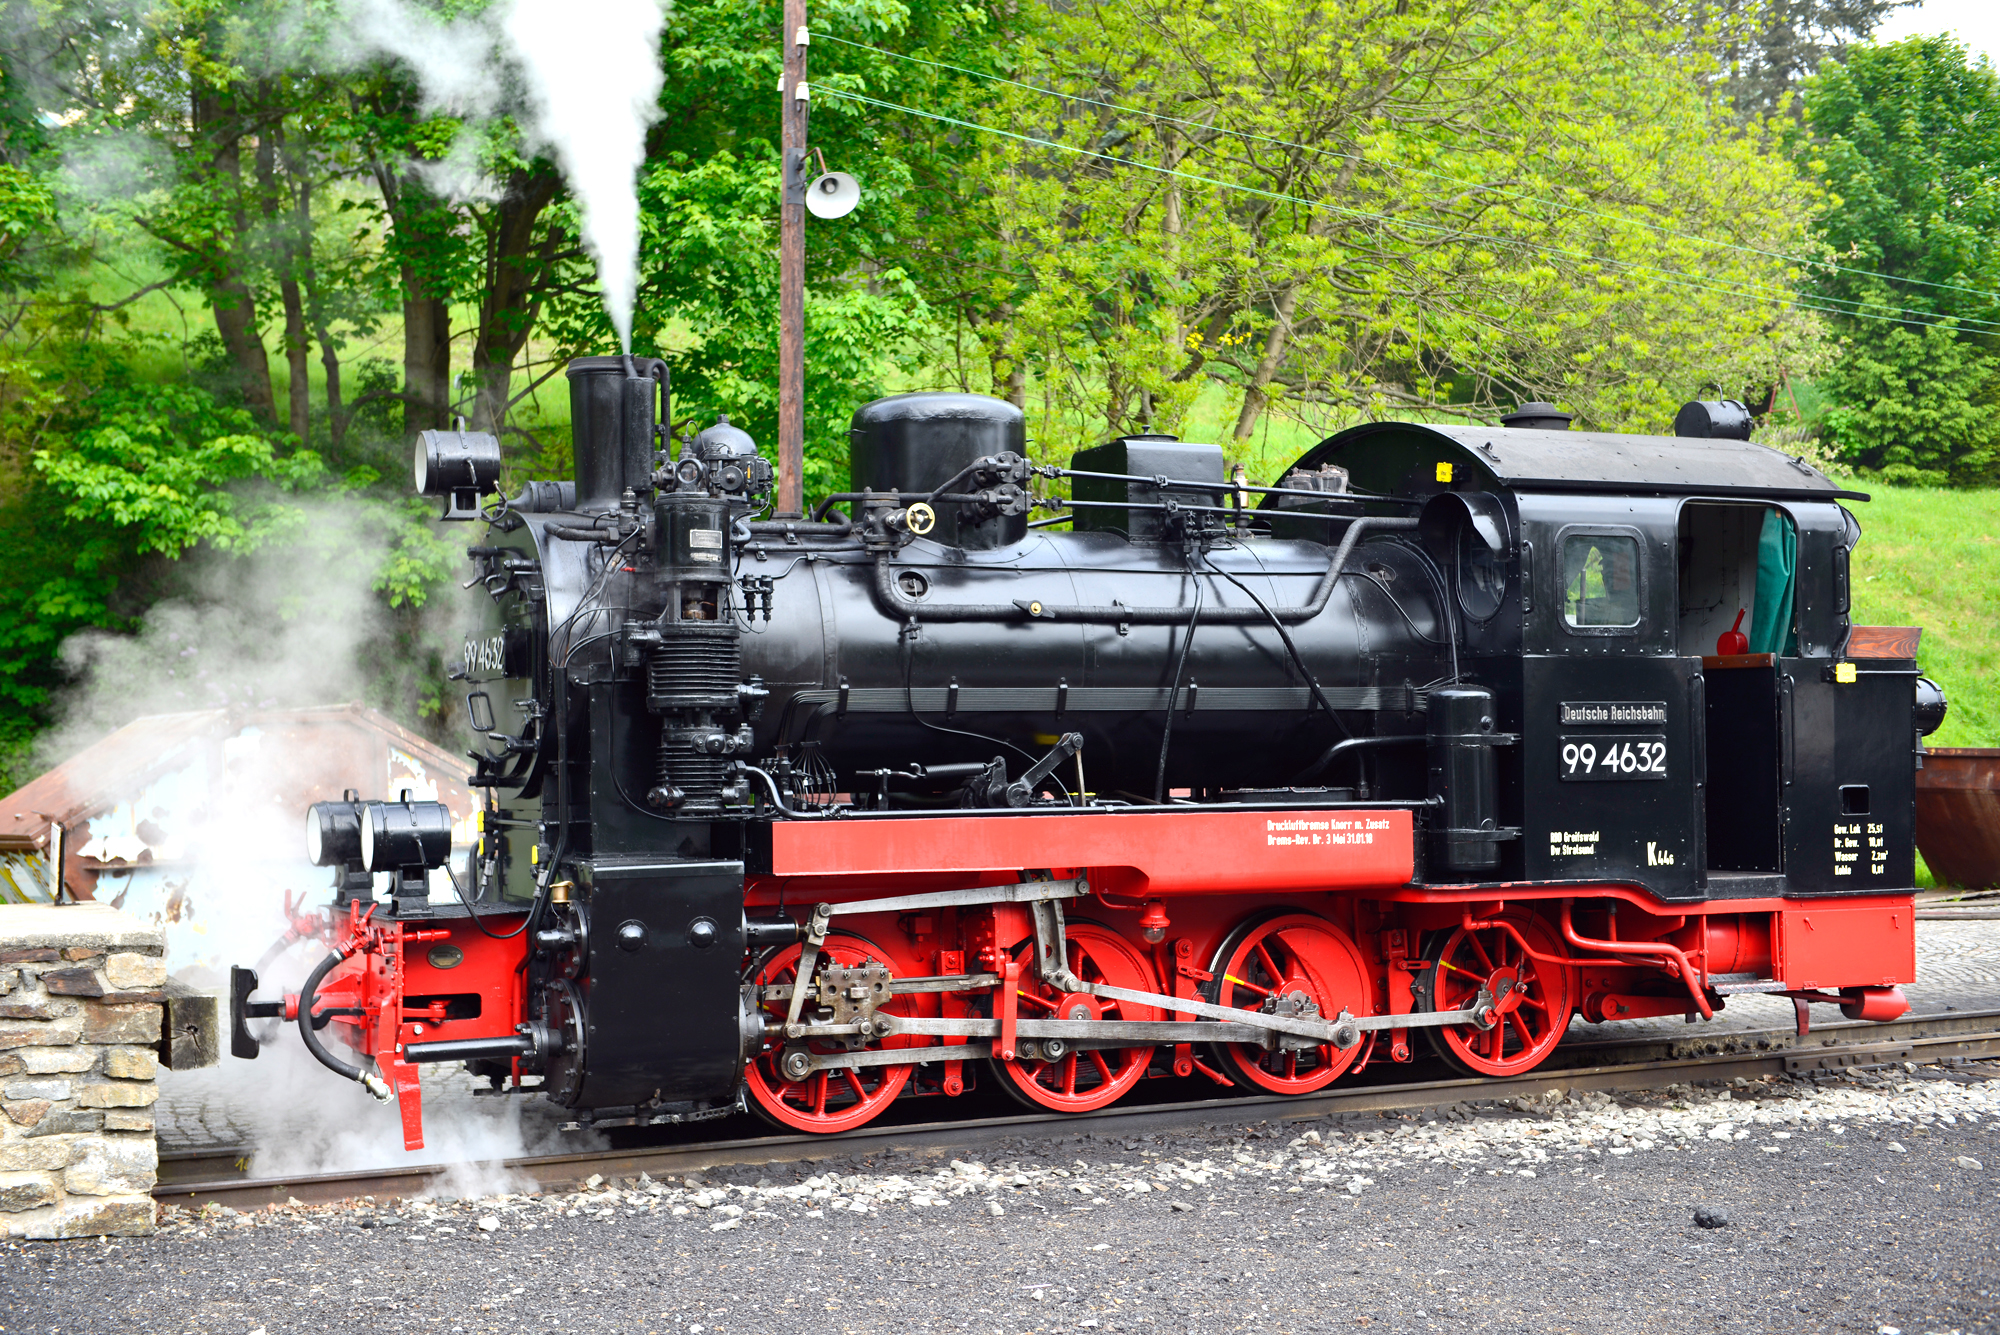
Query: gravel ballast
point(1861, 1203)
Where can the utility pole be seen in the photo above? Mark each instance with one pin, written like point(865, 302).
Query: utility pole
point(795, 94)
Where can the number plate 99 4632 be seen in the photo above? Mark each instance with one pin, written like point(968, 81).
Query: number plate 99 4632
point(1603, 756)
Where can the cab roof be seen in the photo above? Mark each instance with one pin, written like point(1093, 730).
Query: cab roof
point(1382, 456)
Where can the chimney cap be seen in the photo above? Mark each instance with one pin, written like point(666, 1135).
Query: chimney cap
point(1538, 416)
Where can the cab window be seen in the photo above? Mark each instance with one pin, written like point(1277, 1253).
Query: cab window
point(1600, 580)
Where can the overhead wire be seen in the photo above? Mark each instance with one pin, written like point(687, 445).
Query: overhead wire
point(1671, 277)
point(1487, 187)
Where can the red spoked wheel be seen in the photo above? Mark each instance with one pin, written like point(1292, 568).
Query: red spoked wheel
point(1081, 1080)
point(1283, 963)
point(1532, 999)
point(822, 1102)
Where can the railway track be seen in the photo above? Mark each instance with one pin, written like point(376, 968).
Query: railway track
point(221, 1175)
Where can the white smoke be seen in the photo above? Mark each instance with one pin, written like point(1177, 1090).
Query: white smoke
point(583, 78)
point(296, 622)
point(593, 75)
point(454, 61)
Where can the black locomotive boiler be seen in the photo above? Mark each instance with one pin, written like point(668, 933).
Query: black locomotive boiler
point(1453, 734)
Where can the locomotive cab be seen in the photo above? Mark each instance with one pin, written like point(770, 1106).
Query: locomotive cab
point(1598, 578)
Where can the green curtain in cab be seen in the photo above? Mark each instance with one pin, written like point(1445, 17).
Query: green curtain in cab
point(1771, 629)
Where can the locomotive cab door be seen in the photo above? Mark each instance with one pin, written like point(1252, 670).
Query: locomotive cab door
point(1610, 730)
point(1738, 572)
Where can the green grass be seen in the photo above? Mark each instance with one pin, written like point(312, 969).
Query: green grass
point(1931, 558)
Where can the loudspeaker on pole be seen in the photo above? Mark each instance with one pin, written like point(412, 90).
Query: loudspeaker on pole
point(833, 195)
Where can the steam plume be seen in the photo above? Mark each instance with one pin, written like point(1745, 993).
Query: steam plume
point(593, 76)
point(583, 78)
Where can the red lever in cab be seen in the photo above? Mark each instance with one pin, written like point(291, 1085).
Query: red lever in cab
point(1733, 641)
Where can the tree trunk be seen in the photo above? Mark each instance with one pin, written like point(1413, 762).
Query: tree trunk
point(316, 317)
point(336, 419)
point(228, 294)
point(286, 247)
point(1257, 395)
point(419, 223)
point(426, 356)
point(517, 260)
point(1004, 360)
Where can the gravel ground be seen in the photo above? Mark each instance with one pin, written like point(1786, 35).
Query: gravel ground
point(1855, 1203)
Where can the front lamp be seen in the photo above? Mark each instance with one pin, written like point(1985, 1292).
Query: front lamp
point(460, 466)
point(333, 833)
point(405, 836)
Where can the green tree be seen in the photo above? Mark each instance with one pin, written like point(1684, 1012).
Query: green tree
point(1390, 205)
point(1917, 403)
point(708, 294)
point(1905, 141)
point(1768, 47)
point(116, 480)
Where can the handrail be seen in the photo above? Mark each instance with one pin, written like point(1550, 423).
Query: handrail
point(891, 600)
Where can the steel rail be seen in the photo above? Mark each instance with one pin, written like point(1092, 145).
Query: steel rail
point(1969, 1035)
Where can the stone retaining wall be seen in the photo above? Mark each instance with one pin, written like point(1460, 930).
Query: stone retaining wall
point(80, 1024)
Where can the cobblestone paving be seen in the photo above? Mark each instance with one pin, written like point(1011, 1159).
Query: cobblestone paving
point(1958, 969)
point(301, 1118)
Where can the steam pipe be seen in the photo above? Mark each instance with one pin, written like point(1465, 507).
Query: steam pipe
point(573, 533)
point(1334, 752)
point(891, 601)
point(1673, 955)
point(372, 1083)
point(840, 526)
point(1189, 484)
point(469, 1049)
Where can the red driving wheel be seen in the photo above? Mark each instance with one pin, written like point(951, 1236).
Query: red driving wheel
point(1532, 999)
point(1081, 1080)
point(1281, 963)
point(825, 1101)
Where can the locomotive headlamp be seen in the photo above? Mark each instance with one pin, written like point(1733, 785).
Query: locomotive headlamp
point(1721, 419)
point(397, 835)
point(333, 833)
point(1931, 706)
point(460, 466)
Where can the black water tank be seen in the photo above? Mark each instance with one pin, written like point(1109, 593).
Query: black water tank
point(917, 442)
point(611, 416)
point(1145, 457)
point(1464, 780)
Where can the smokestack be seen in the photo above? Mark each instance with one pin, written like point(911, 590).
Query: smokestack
point(611, 425)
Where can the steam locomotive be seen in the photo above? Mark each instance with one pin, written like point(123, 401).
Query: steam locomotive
point(1453, 734)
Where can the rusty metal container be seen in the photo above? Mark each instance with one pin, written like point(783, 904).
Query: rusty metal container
point(1958, 814)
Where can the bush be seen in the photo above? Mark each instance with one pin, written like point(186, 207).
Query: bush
point(1917, 407)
